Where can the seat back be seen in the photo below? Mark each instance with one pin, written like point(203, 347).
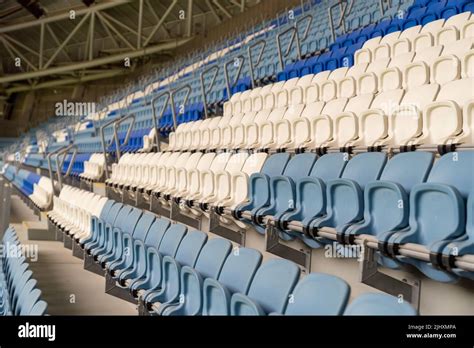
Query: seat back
point(272, 284)
point(329, 167)
point(212, 257)
point(365, 167)
point(171, 240)
point(319, 294)
point(156, 232)
point(379, 304)
point(190, 247)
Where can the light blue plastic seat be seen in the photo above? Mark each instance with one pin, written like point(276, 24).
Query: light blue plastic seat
point(437, 213)
point(463, 245)
point(386, 201)
point(152, 240)
point(235, 277)
point(133, 256)
point(344, 197)
point(379, 304)
point(103, 227)
point(122, 235)
point(208, 265)
point(259, 184)
point(319, 294)
point(39, 308)
point(283, 187)
point(111, 234)
point(94, 235)
point(311, 193)
point(168, 247)
point(187, 255)
point(269, 291)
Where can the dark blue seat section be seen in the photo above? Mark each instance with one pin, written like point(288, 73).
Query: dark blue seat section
point(299, 166)
point(310, 192)
point(269, 291)
point(259, 184)
point(438, 214)
point(344, 196)
point(208, 265)
point(236, 276)
point(379, 304)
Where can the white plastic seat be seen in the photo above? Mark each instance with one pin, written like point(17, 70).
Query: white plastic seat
point(232, 186)
point(449, 119)
point(185, 176)
point(260, 131)
point(468, 64)
point(459, 48)
point(201, 179)
point(406, 121)
point(384, 48)
point(468, 29)
point(404, 42)
point(365, 55)
point(401, 60)
point(426, 38)
point(346, 124)
point(374, 122)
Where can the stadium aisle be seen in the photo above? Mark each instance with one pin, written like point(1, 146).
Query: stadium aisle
point(65, 285)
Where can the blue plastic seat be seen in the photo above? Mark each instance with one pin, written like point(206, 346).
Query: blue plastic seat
point(379, 304)
point(437, 213)
point(269, 291)
point(208, 265)
point(344, 197)
point(259, 184)
point(282, 191)
point(169, 245)
point(235, 277)
point(187, 255)
point(310, 200)
point(319, 294)
point(386, 201)
point(463, 245)
point(308, 66)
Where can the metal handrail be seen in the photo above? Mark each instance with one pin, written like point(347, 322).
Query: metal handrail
point(173, 110)
point(298, 47)
point(59, 166)
point(344, 6)
point(239, 71)
point(155, 123)
point(259, 58)
point(308, 26)
point(204, 91)
point(104, 148)
point(127, 136)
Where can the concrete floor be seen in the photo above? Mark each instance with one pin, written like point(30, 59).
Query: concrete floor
point(66, 286)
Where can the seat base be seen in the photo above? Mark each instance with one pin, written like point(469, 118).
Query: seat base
point(112, 288)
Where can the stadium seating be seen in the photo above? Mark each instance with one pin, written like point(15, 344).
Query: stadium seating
point(18, 292)
point(370, 137)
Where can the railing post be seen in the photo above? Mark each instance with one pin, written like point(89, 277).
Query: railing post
point(204, 91)
point(155, 123)
point(239, 71)
point(259, 58)
point(127, 136)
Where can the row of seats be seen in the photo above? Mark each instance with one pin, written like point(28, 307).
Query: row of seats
point(93, 168)
point(187, 274)
point(417, 38)
point(198, 179)
point(404, 200)
point(370, 110)
point(33, 186)
point(18, 292)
